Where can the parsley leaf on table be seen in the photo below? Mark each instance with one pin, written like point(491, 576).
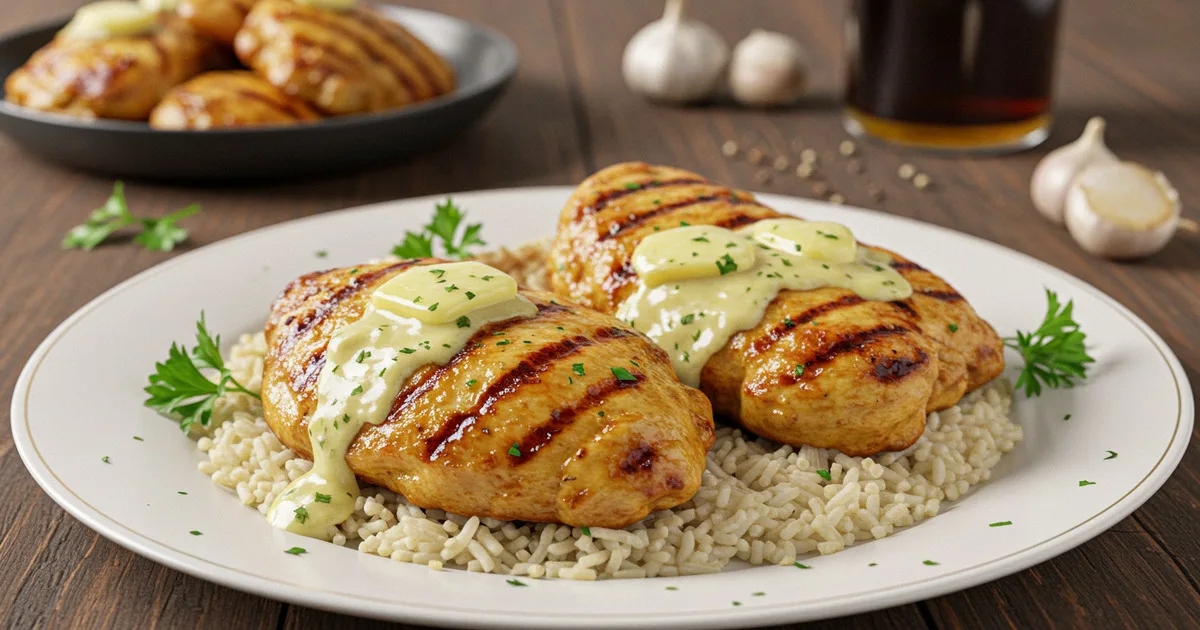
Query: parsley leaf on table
point(155, 234)
point(444, 227)
point(1054, 354)
point(178, 388)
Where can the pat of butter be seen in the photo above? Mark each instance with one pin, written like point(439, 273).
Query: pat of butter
point(110, 18)
point(328, 5)
point(684, 253)
point(438, 294)
point(159, 6)
point(819, 240)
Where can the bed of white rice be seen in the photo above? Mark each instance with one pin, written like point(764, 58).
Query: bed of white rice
point(760, 502)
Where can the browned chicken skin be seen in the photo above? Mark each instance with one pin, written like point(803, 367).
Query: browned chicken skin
point(120, 77)
point(873, 370)
point(236, 98)
point(594, 450)
point(340, 62)
point(218, 20)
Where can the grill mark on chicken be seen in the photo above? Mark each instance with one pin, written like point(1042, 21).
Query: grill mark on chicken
point(945, 296)
point(905, 307)
point(315, 315)
point(737, 220)
point(532, 365)
point(639, 458)
point(541, 435)
point(781, 330)
point(368, 48)
point(605, 197)
point(906, 265)
point(402, 40)
point(617, 228)
point(284, 107)
point(303, 380)
point(846, 343)
point(892, 369)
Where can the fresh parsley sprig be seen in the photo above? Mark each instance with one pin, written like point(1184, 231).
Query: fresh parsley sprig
point(178, 388)
point(447, 217)
point(160, 234)
point(1054, 353)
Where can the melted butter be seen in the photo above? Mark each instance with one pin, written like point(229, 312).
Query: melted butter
point(109, 19)
point(369, 360)
point(692, 316)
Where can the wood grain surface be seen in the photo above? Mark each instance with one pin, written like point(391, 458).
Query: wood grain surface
point(567, 114)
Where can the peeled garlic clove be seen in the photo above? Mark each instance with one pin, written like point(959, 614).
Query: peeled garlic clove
point(675, 59)
point(1121, 210)
point(768, 69)
point(1054, 173)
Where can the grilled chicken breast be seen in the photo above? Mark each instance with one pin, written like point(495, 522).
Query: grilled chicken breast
point(219, 20)
point(591, 449)
point(120, 77)
point(236, 98)
point(340, 62)
point(873, 370)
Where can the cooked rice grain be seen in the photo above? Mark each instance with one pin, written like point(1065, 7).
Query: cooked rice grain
point(759, 502)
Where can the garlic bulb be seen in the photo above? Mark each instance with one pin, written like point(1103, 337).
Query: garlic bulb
point(675, 59)
point(1121, 210)
point(1054, 173)
point(768, 69)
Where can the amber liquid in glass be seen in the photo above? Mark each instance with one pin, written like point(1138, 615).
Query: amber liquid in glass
point(951, 74)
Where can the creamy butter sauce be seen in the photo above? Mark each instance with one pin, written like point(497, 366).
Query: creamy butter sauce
point(700, 285)
point(108, 19)
point(421, 316)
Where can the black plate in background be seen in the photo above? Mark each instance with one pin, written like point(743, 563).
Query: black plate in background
point(484, 60)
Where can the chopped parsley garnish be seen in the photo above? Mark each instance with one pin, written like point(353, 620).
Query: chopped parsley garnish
point(321, 253)
point(322, 498)
point(788, 323)
point(953, 327)
point(632, 186)
point(1067, 417)
point(578, 369)
point(515, 450)
point(700, 239)
point(463, 322)
point(825, 475)
point(356, 391)
point(354, 271)
point(600, 414)
point(684, 224)
point(800, 369)
point(758, 594)
point(179, 389)
point(1054, 353)
point(407, 350)
point(105, 459)
point(180, 492)
point(873, 564)
point(800, 566)
point(154, 234)
point(1000, 524)
point(301, 514)
point(196, 532)
point(929, 563)
point(737, 603)
point(138, 439)
point(687, 319)
point(635, 363)
point(622, 374)
point(295, 551)
point(828, 235)
point(470, 296)
point(447, 217)
point(382, 372)
point(515, 582)
point(672, 588)
point(471, 382)
point(797, 247)
point(586, 530)
point(726, 264)
point(362, 354)
point(433, 307)
point(1085, 482)
point(504, 342)
point(1111, 455)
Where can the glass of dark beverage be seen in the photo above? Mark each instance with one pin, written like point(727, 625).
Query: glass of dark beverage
point(955, 75)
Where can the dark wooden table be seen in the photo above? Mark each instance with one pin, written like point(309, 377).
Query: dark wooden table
point(567, 114)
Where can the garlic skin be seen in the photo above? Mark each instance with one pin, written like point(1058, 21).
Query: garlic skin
point(1121, 210)
point(1054, 173)
point(675, 59)
point(768, 69)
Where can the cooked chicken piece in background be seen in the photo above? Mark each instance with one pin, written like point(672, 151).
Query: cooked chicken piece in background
point(873, 370)
point(590, 448)
point(219, 20)
point(236, 98)
point(119, 77)
point(340, 62)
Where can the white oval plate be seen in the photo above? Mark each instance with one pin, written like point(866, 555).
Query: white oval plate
point(79, 399)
